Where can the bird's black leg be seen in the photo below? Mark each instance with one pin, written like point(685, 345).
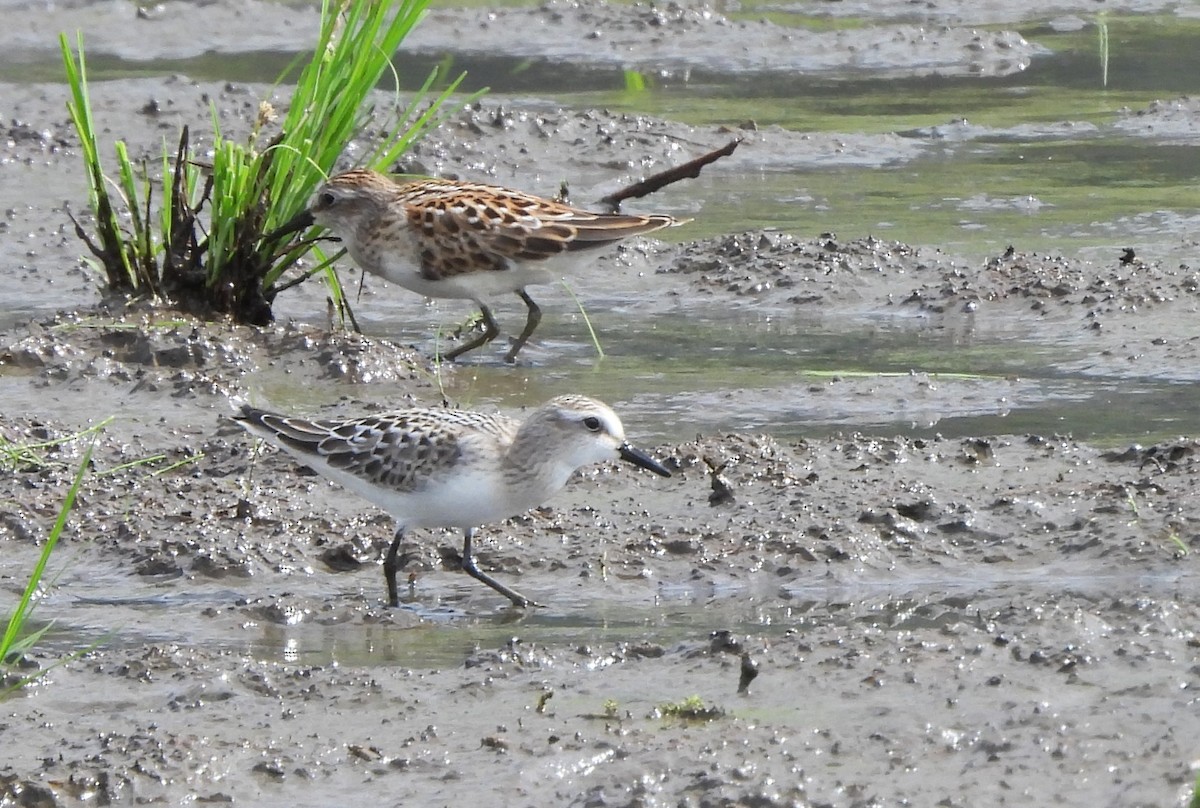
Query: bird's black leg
point(389, 568)
point(531, 323)
point(490, 332)
point(468, 566)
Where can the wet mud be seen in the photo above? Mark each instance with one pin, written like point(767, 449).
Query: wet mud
point(854, 620)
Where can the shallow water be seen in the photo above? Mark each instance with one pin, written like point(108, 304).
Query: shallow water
point(457, 622)
point(793, 375)
point(996, 168)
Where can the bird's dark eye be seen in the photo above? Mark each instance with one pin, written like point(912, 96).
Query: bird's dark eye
point(325, 200)
point(592, 423)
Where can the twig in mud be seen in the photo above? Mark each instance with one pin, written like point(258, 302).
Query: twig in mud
point(689, 170)
point(722, 491)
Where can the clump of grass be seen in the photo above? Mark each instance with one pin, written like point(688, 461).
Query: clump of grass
point(208, 250)
point(690, 709)
point(18, 639)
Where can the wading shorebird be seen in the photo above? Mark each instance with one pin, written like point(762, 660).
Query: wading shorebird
point(450, 239)
point(450, 468)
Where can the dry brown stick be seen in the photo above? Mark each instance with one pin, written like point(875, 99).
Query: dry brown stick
point(689, 170)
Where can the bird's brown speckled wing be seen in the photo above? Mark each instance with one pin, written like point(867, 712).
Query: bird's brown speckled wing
point(466, 227)
point(400, 451)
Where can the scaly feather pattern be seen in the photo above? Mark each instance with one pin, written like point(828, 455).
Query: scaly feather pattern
point(450, 239)
point(452, 468)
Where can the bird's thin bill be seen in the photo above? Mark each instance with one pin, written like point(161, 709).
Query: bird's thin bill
point(639, 458)
point(301, 221)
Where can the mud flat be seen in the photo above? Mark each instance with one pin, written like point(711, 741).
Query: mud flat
point(986, 620)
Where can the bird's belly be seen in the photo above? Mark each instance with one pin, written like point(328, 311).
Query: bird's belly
point(465, 499)
point(480, 285)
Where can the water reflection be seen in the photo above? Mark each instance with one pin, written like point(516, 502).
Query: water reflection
point(453, 632)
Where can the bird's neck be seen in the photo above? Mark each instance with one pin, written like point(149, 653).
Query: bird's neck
point(529, 469)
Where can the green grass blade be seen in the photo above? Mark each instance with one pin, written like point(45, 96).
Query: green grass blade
point(112, 244)
point(586, 320)
point(27, 603)
point(15, 454)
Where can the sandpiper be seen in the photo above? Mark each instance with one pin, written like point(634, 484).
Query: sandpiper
point(451, 468)
point(444, 238)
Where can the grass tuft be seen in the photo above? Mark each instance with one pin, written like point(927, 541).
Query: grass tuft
point(691, 709)
point(206, 251)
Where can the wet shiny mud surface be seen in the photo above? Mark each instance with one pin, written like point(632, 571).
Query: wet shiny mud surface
point(890, 608)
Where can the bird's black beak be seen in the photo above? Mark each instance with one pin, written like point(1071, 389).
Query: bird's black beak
point(639, 458)
point(301, 221)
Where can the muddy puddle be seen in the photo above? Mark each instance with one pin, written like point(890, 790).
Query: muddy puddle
point(931, 533)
